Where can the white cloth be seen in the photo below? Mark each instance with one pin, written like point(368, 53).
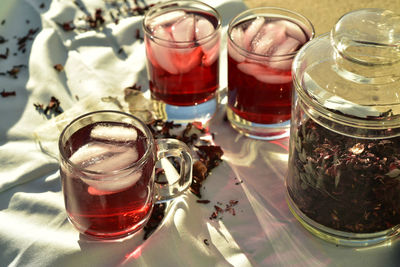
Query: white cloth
point(34, 230)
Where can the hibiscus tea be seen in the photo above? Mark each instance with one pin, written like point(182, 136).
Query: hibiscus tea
point(104, 196)
point(182, 47)
point(260, 53)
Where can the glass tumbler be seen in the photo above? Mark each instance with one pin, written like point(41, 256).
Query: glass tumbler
point(182, 41)
point(262, 43)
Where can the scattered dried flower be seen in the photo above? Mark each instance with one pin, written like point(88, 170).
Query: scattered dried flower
point(156, 218)
point(52, 108)
point(2, 40)
point(28, 37)
point(67, 26)
point(58, 67)
point(138, 36)
point(203, 201)
point(14, 71)
point(5, 93)
point(97, 20)
point(228, 208)
point(5, 55)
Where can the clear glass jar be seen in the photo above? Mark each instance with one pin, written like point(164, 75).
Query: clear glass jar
point(343, 182)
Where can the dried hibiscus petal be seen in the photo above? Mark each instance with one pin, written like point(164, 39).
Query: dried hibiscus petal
point(58, 67)
point(53, 107)
point(200, 171)
point(345, 183)
point(5, 93)
point(156, 218)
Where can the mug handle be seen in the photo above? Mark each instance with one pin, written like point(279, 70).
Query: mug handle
point(175, 182)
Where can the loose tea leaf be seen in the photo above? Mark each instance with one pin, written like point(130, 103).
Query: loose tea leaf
point(67, 26)
point(5, 55)
point(14, 71)
point(156, 218)
point(58, 67)
point(217, 214)
point(3, 40)
point(203, 201)
point(22, 41)
point(96, 20)
point(345, 183)
point(52, 108)
point(138, 36)
point(5, 93)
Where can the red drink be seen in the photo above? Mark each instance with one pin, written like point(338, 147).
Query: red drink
point(260, 90)
point(182, 49)
point(107, 162)
point(99, 203)
point(257, 101)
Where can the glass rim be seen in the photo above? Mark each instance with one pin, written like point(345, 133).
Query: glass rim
point(133, 165)
point(179, 2)
point(233, 23)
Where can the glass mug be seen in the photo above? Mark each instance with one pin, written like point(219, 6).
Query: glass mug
point(107, 166)
point(262, 43)
point(182, 40)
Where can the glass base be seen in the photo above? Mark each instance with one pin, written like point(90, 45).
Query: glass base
point(258, 130)
point(340, 237)
point(110, 237)
point(183, 114)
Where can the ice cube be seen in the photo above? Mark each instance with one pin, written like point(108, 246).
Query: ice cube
point(91, 152)
point(166, 18)
point(184, 60)
point(288, 46)
point(175, 60)
point(203, 28)
point(118, 159)
point(210, 55)
point(294, 30)
point(114, 133)
point(115, 185)
point(183, 30)
point(209, 42)
point(252, 31)
point(162, 54)
point(237, 36)
point(263, 73)
point(268, 39)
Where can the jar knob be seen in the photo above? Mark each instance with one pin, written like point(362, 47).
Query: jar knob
point(368, 37)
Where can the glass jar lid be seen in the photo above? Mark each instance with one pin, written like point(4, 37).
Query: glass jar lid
point(352, 75)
